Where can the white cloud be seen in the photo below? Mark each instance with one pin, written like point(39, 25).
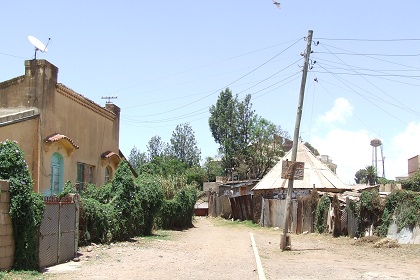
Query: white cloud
point(405, 145)
point(339, 112)
point(350, 150)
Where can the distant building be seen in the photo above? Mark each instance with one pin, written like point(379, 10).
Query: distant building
point(413, 165)
point(64, 135)
point(328, 162)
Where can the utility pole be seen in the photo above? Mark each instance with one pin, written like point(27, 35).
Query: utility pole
point(285, 243)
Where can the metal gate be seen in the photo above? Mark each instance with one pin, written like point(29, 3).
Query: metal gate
point(58, 238)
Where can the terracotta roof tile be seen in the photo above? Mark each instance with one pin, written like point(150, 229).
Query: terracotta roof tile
point(57, 137)
point(109, 154)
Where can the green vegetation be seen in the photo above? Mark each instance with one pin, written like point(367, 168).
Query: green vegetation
point(321, 214)
point(412, 183)
point(26, 206)
point(21, 275)
point(122, 209)
point(367, 176)
point(403, 207)
point(236, 223)
point(126, 207)
point(177, 213)
point(335, 204)
point(400, 206)
point(248, 143)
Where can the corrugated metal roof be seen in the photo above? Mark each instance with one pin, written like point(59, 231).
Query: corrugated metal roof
point(316, 174)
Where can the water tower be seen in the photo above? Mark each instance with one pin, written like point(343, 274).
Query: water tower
point(375, 143)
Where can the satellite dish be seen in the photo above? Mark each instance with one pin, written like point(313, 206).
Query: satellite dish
point(39, 46)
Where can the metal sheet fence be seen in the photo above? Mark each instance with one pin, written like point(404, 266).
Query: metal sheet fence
point(302, 216)
point(219, 206)
point(272, 215)
point(242, 207)
point(58, 234)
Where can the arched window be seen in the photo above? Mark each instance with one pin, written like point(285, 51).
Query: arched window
point(56, 174)
point(108, 174)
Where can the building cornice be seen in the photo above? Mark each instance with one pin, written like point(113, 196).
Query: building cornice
point(14, 81)
point(69, 93)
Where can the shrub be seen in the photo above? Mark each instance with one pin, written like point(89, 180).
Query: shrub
point(26, 206)
point(371, 209)
point(98, 220)
point(151, 201)
point(402, 205)
point(321, 214)
point(412, 183)
point(126, 202)
point(177, 213)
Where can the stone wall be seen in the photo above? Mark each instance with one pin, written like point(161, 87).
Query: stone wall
point(6, 230)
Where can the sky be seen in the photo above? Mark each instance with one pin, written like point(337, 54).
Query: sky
point(167, 62)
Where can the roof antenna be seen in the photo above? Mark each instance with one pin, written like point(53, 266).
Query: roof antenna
point(39, 46)
point(109, 98)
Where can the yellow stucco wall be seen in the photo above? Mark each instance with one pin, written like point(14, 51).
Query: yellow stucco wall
point(92, 128)
point(26, 134)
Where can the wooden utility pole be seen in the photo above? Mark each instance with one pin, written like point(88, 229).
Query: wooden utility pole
point(285, 242)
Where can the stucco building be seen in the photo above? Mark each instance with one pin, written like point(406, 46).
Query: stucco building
point(64, 135)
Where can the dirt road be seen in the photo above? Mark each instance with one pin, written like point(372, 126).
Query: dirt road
point(219, 249)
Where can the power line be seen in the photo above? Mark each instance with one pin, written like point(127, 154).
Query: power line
point(209, 64)
point(375, 58)
point(11, 55)
point(368, 40)
point(372, 54)
point(361, 95)
point(226, 86)
point(406, 107)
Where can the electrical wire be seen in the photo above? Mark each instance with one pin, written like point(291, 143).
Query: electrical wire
point(226, 86)
point(374, 58)
point(371, 54)
point(367, 40)
point(404, 106)
point(207, 65)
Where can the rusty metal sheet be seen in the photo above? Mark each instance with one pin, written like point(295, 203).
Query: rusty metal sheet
point(292, 170)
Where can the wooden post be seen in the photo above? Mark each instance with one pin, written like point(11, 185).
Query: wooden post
point(285, 242)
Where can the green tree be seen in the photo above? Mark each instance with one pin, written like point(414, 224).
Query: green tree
point(266, 148)
point(163, 166)
point(230, 123)
point(360, 176)
point(184, 146)
point(213, 168)
point(195, 176)
point(244, 124)
point(312, 149)
point(137, 158)
point(155, 147)
point(367, 175)
point(371, 175)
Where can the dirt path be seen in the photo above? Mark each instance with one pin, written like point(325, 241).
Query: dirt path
point(218, 249)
